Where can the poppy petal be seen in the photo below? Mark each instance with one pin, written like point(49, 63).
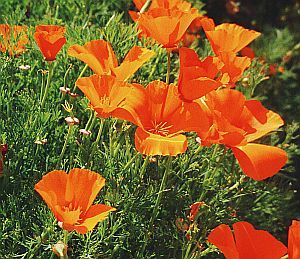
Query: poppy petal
point(260, 161)
point(234, 66)
point(154, 144)
point(256, 244)
point(52, 189)
point(263, 120)
point(222, 238)
point(294, 240)
point(95, 214)
point(135, 58)
point(97, 54)
point(87, 183)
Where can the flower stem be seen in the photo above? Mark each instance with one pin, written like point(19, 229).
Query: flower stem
point(66, 235)
point(65, 145)
point(168, 169)
point(169, 67)
point(50, 74)
point(95, 144)
point(80, 75)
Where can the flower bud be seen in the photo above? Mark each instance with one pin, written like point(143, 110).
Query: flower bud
point(60, 249)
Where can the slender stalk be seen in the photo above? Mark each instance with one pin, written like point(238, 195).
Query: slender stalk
point(80, 75)
point(66, 74)
point(144, 166)
point(95, 144)
point(42, 86)
point(65, 145)
point(168, 169)
point(66, 235)
point(50, 74)
point(169, 67)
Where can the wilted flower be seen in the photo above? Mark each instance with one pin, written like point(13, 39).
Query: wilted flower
point(85, 132)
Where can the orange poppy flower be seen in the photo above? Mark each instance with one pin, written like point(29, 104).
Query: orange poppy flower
point(13, 39)
point(247, 242)
point(196, 77)
point(228, 37)
point(50, 39)
point(234, 66)
point(100, 57)
point(110, 97)
point(236, 122)
point(162, 120)
point(70, 198)
point(294, 240)
point(166, 26)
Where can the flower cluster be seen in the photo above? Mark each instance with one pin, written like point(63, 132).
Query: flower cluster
point(202, 101)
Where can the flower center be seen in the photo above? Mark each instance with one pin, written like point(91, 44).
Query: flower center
point(160, 128)
point(105, 101)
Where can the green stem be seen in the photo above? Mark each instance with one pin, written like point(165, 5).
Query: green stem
point(65, 145)
point(144, 166)
point(146, 6)
point(66, 74)
point(66, 235)
point(95, 144)
point(50, 74)
point(169, 67)
point(42, 87)
point(168, 169)
point(80, 75)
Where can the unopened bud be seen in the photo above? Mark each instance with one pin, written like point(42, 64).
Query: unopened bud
point(41, 142)
point(85, 132)
point(24, 67)
point(60, 249)
point(246, 82)
point(72, 120)
point(64, 90)
point(74, 95)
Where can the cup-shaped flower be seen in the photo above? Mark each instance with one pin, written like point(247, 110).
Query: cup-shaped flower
point(228, 37)
point(294, 240)
point(166, 26)
point(13, 39)
point(110, 97)
point(196, 77)
point(236, 122)
point(100, 57)
point(163, 118)
point(247, 242)
point(50, 39)
point(70, 198)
